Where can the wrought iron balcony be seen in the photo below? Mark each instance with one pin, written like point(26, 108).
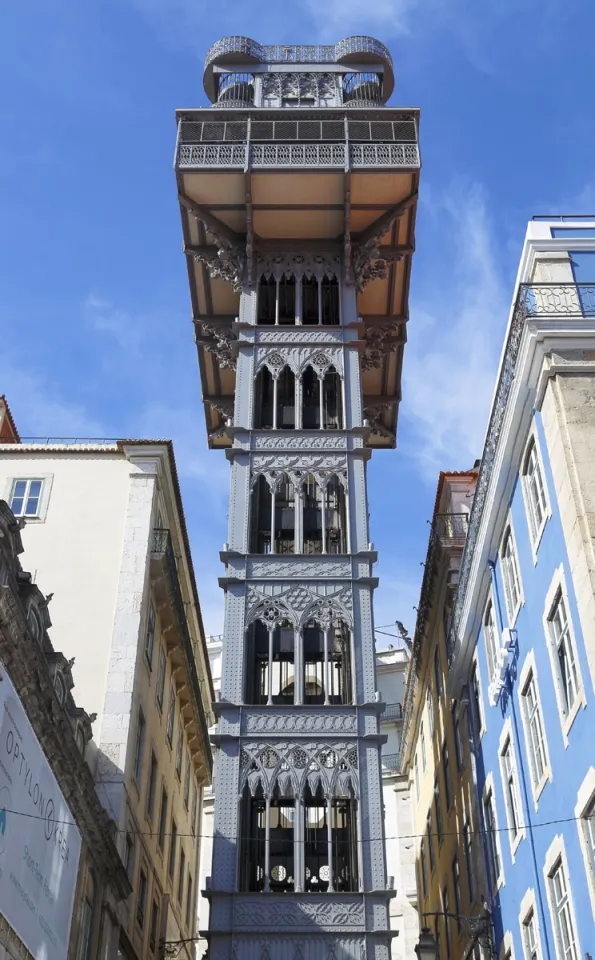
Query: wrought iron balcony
point(392, 711)
point(556, 300)
point(162, 550)
point(259, 141)
point(451, 526)
point(390, 763)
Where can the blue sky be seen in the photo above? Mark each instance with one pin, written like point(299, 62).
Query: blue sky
point(97, 339)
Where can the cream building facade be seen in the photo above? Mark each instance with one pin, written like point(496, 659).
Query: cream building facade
point(391, 672)
point(105, 532)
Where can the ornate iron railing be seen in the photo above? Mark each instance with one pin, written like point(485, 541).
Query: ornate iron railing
point(534, 300)
point(390, 762)
point(392, 711)
point(298, 143)
point(162, 546)
point(277, 53)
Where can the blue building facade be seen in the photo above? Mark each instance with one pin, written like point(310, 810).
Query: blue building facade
point(523, 630)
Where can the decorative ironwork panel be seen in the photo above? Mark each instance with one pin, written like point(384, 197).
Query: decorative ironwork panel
point(298, 155)
point(213, 155)
point(384, 154)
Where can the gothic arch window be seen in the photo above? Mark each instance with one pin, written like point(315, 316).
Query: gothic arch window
point(267, 844)
point(264, 391)
point(311, 399)
point(277, 300)
point(330, 842)
point(284, 516)
point(312, 499)
point(270, 663)
point(310, 306)
point(327, 663)
point(335, 518)
point(329, 301)
point(260, 517)
point(332, 400)
point(35, 623)
point(285, 400)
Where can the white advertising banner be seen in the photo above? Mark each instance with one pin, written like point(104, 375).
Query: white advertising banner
point(39, 844)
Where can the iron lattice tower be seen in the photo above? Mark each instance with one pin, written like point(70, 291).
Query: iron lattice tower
point(298, 191)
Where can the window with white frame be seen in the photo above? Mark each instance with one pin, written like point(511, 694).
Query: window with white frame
point(491, 828)
point(469, 865)
point(530, 937)
point(510, 575)
point(422, 738)
point(566, 660)
point(490, 633)
point(511, 790)
point(430, 708)
point(25, 497)
point(588, 827)
point(535, 491)
point(476, 706)
point(562, 916)
point(416, 776)
point(534, 730)
point(160, 689)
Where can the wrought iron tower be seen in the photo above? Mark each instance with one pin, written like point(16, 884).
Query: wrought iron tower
point(298, 192)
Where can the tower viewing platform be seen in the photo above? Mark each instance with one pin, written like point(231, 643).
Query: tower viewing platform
point(299, 157)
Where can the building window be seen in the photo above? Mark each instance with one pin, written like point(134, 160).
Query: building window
point(422, 738)
point(187, 780)
point(141, 903)
point(510, 575)
point(456, 880)
point(162, 819)
point(456, 729)
point(171, 712)
point(60, 689)
point(430, 844)
point(491, 827)
point(438, 811)
point(150, 635)
point(172, 850)
point(534, 731)
point(139, 745)
point(468, 848)
point(422, 867)
point(151, 787)
point(129, 854)
point(25, 498)
point(194, 807)
point(476, 707)
point(161, 678)
point(588, 827)
point(181, 875)
point(446, 772)
point(446, 911)
point(535, 493)
point(85, 941)
point(563, 920)
point(179, 750)
point(430, 709)
point(490, 633)
point(438, 673)
point(35, 624)
point(154, 926)
point(566, 660)
point(189, 900)
point(416, 777)
point(511, 791)
point(530, 937)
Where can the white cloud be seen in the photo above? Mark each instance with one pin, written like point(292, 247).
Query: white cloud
point(103, 317)
point(344, 17)
point(38, 408)
point(455, 337)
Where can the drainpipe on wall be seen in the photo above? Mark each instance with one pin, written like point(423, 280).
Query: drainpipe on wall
point(523, 777)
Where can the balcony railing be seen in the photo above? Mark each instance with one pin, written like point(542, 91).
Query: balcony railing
point(162, 547)
point(451, 526)
point(390, 762)
point(298, 143)
point(557, 299)
point(392, 711)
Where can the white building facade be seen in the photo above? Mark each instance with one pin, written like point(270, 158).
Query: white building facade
point(298, 227)
point(104, 531)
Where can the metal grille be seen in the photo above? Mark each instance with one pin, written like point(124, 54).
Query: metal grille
point(401, 131)
point(213, 155)
point(371, 131)
point(365, 87)
point(384, 155)
point(330, 53)
point(236, 88)
point(213, 131)
point(298, 155)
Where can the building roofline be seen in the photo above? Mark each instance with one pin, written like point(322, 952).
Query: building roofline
point(10, 418)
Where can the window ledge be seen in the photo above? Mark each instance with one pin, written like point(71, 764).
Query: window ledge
point(568, 720)
point(536, 541)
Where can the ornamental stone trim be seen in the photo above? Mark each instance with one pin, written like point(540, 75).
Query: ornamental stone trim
point(346, 913)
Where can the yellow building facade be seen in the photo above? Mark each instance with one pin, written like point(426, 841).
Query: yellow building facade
point(436, 744)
